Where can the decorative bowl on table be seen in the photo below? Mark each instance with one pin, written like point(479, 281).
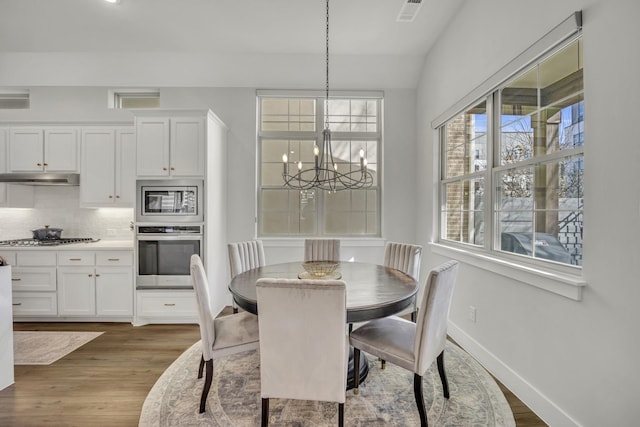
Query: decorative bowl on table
point(319, 269)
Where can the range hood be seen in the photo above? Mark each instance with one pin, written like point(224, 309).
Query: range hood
point(39, 178)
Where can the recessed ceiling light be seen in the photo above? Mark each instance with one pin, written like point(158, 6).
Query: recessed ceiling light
point(113, 1)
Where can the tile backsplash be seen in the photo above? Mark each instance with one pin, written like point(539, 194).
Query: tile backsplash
point(58, 206)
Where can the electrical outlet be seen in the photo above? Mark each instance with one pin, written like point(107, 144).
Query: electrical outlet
point(472, 314)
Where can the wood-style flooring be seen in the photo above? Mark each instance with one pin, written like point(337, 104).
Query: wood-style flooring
point(105, 382)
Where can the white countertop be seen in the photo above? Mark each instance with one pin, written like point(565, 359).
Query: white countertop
point(101, 245)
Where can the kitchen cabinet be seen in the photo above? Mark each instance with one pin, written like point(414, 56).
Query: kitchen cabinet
point(33, 279)
point(77, 285)
point(95, 284)
point(12, 196)
point(6, 329)
point(166, 306)
point(169, 145)
point(43, 150)
point(107, 173)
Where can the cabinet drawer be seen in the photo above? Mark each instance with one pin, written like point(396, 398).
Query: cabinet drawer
point(35, 304)
point(76, 258)
point(114, 258)
point(10, 257)
point(37, 259)
point(33, 278)
point(166, 304)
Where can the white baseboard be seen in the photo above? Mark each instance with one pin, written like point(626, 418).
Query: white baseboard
point(548, 411)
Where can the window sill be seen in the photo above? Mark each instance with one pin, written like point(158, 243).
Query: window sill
point(566, 285)
point(344, 241)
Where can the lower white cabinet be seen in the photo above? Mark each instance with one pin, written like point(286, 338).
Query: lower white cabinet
point(166, 306)
point(76, 291)
point(114, 291)
point(72, 284)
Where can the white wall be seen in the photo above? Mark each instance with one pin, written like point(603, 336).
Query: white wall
point(573, 362)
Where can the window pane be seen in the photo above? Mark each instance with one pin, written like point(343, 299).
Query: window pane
point(544, 201)
point(465, 142)
point(463, 211)
point(288, 114)
point(287, 212)
point(352, 115)
point(542, 109)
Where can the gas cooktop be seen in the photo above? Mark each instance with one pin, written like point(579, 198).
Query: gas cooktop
point(47, 242)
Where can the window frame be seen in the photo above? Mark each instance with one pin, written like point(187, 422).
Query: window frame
point(560, 278)
point(116, 96)
point(319, 98)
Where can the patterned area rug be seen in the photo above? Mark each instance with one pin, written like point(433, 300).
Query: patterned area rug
point(44, 348)
point(385, 397)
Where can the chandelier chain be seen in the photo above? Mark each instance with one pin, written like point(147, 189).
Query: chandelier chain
point(326, 112)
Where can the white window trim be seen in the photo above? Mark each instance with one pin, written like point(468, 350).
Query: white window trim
point(113, 93)
point(284, 240)
point(562, 280)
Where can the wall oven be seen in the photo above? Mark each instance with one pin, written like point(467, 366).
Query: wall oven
point(164, 255)
point(169, 201)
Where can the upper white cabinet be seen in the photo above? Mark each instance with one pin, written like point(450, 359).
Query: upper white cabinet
point(16, 196)
point(107, 173)
point(171, 145)
point(43, 150)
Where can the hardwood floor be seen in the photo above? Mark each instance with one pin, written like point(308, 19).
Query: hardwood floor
point(105, 382)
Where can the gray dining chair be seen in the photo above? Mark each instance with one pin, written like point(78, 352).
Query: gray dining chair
point(303, 342)
point(322, 250)
point(245, 256)
point(413, 346)
point(406, 258)
point(222, 336)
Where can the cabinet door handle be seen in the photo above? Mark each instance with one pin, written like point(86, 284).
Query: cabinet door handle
point(97, 275)
point(164, 169)
point(110, 196)
point(75, 259)
point(46, 164)
point(117, 197)
point(38, 164)
point(16, 303)
point(90, 275)
point(172, 168)
point(113, 259)
point(169, 304)
point(15, 280)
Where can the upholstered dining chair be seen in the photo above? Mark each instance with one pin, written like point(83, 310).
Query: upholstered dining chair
point(221, 336)
point(322, 250)
point(406, 258)
point(303, 342)
point(245, 256)
point(413, 346)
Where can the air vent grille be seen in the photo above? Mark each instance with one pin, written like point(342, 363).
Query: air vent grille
point(409, 10)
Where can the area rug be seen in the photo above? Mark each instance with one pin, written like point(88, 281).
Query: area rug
point(385, 397)
point(44, 347)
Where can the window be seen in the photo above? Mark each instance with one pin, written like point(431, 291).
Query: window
point(512, 164)
point(292, 125)
point(14, 99)
point(134, 98)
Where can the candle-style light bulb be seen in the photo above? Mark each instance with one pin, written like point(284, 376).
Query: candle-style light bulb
point(284, 163)
point(316, 150)
point(299, 165)
point(362, 159)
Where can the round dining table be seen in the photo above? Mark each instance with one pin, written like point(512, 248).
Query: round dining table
point(373, 291)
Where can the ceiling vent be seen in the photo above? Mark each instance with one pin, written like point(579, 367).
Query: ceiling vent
point(409, 11)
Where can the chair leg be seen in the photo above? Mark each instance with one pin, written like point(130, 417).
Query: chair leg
point(383, 363)
point(207, 385)
point(350, 328)
point(201, 367)
point(265, 412)
point(413, 316)
point(443, 375)
point(340, 414)
point(417, 391)
point(356, 369)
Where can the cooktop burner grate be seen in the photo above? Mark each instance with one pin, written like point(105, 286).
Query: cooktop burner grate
point(49, 242)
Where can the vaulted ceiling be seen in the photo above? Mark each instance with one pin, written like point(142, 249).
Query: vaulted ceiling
point(219, 30)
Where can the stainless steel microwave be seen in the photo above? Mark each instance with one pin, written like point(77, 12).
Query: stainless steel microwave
point(169, 201)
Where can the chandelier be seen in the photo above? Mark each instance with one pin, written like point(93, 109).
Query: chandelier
point(326, 173)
